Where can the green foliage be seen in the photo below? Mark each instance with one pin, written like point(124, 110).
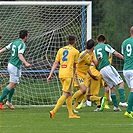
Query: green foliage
point(117, 21)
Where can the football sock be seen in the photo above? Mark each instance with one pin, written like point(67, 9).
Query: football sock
point(122, 94)
point(130, 102)
point(10, 95)
point(4, 93)
point(77, 94)
point(69, 105)
point(78, 101)
point(84, 99)
point(95, 99)
point(114, 100)
point(106, 94)
point(60, 102)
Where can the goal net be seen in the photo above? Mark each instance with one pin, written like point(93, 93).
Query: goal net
point(48, 25)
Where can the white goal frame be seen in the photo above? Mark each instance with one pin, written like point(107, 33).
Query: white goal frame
point(88, 17)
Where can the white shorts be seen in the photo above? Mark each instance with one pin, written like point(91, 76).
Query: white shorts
point(14, 73)
point(111, 76)
point(128, 75)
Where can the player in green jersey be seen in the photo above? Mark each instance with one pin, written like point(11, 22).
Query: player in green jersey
point(127, 51)
point(108, 72)
point(14, 66)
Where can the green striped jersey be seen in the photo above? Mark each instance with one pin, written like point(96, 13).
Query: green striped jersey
point(127, 51)
point(16, 47)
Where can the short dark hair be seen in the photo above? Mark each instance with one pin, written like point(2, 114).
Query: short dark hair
point(0, 36)
point(71, 39)
point(101, 38)
point(90, 43)
point(23, 34)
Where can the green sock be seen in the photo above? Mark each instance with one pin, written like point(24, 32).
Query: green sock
point(114, 100)
point(130, 102)
point(122, 94)
point(4, 93)
point(10, 95)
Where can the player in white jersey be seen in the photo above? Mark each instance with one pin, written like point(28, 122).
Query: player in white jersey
point(108, 72)
point(14, 66)
point(127, 51)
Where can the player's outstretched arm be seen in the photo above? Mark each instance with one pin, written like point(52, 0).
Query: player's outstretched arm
point(118, 55)
point(55, 64)
point(2, 50)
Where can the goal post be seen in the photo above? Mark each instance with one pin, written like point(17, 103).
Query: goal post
point(48, 24)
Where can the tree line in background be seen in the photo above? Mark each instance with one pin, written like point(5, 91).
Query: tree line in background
point(113, 18)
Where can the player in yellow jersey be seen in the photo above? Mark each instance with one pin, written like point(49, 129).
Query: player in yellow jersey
point(96, 85)
point(81, 79)
point(94, 88)
point(67, 57)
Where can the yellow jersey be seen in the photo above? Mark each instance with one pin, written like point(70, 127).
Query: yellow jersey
point(67, 56)
point(84, 62)
point(110, 58)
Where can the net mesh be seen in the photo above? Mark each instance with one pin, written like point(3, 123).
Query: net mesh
point(48, 27)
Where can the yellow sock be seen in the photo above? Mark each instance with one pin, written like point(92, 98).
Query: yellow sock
point(84, 99)
point(95, 99)
point(106, 94)
point(60, 102)
point(78, 100)
point(69, 105)
point(77, 94)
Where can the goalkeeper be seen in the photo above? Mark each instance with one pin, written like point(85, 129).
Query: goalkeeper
point(14, 66)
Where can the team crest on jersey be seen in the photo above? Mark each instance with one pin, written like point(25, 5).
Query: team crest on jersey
point(81, 80)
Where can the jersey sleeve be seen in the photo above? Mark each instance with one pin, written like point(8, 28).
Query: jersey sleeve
point(8, 47)
point(21, 49)
point(122, 49)
point(81, 56)
point(109, 49)
point(76, 56)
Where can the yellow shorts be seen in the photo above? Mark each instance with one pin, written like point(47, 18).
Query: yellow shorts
point(67, 84)
point(95, 85)
point(80, 80)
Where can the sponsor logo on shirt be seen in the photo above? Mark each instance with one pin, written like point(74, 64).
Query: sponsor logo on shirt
point(64, 66)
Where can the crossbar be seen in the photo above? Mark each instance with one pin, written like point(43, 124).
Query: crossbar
point(82, 3)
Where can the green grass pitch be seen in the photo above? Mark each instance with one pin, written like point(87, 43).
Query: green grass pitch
point(36, 120)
